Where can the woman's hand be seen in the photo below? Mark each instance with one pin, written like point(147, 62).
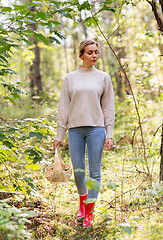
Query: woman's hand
point(108, 144)
point(56, 144)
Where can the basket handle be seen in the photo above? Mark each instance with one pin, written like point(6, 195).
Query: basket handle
point(57, 160)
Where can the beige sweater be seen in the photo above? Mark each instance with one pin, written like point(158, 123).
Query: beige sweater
point(86, 99)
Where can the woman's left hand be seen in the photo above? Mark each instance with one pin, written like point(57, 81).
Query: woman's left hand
point(108, 144)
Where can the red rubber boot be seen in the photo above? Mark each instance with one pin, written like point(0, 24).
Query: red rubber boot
point(88, 218)
point(81, 211)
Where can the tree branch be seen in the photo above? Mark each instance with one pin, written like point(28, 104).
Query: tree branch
point(156, 14)
point(161, 154)
point(149, 2)
point(136, 106)
point(161, 3)
point(126, 80)
point(116, 29)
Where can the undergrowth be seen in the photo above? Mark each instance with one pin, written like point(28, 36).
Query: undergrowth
point(128, 207)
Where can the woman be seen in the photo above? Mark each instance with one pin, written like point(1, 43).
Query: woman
point(86, 109)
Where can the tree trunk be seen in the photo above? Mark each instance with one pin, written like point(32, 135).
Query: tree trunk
point(32, 72)
point(101, 55)
point(84, 27)
point(161, 153)
point(161, 3)
point(121, 54)
point(75, 51)
point(31, 77)
point(157, 14)
point(66, 32)
point(119, 86)
point(66, 56)
point(35, 75)
point(37, 69)
point(160, 45)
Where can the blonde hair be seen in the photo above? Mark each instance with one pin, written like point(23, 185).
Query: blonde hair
point(85, 43)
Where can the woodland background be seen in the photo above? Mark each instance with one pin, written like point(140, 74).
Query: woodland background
point(39, 43)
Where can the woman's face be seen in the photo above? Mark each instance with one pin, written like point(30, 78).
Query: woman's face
point(90, 55)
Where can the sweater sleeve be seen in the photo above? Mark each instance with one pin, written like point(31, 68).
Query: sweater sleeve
point(107, 105)
point(63, 108)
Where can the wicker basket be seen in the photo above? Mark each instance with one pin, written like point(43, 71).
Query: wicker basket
point(59, 172)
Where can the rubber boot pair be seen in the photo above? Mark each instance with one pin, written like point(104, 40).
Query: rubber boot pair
point(85, 211)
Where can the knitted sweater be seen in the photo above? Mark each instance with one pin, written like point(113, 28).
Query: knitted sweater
point(86, 99)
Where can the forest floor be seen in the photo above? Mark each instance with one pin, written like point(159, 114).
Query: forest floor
point(127, 206)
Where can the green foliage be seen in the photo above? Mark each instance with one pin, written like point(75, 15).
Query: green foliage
point(13, 221)
point(14, 148)
point(84, 6)
point(13, 91)
point(156, 190)
point(17, 29)
point(91, 21)
point(126, 228)
point(26, 144)
point(92, 184)
point(111, 185)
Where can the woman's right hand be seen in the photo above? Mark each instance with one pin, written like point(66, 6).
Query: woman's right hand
point(56, 144)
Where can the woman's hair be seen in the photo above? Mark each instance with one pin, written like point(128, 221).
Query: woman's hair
point(85, 43)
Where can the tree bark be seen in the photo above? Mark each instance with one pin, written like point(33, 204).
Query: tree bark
point(161, 153)
point(31, 77)
point(32, 72)
point(37, 69)
point(161, 3)
point(121, 54)
point(156, 13)
point(35, 75)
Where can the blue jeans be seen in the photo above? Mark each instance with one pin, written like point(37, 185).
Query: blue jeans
point(93, 138)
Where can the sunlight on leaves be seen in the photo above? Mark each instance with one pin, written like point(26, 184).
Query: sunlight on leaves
point(92, 184)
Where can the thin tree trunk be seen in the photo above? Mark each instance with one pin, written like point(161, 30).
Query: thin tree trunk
point(121, 54)
point(35, 75)
point(64, 27)
point(84, 27)
point(161, 153)
point(102, 56)
point(37, 69)
point(31, 77)
point(75, 53)
point(119, 86)
point(127, 82)
point(32, 71)
point(160, 45)
point(156, 13)
point(66, 56)
point(161, 3)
